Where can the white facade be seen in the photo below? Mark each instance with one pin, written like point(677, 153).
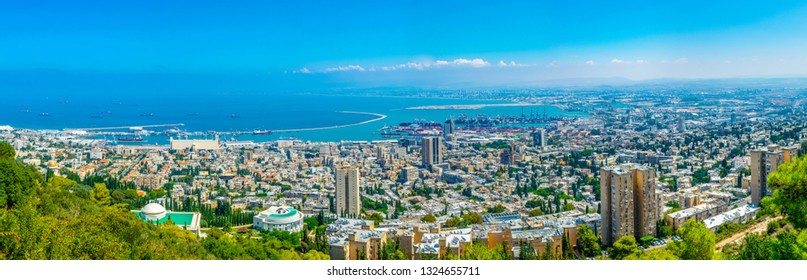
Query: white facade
point(278, 218)
point(153, 212)
point(177, 144)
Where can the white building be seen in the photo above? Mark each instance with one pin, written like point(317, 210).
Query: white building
point(278, 218)
point(177, 144)
point(153, 212)
point(739, 215)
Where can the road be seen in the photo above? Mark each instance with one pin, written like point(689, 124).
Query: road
point(756, 228)
point(135, 162)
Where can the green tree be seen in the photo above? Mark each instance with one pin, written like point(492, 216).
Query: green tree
point(587, 242)
point(454, 221)
point(429, 218)
point(658, 254)
point(7, 152)
point(497, 209)
point(17, 182)
point(101, 195)
point(755, 247)
point(377, 218)
point(315, 255)
point(536, 212)
point(625, 246)
point(698, 243)
point(789, 185)
point(472, 218)
point(700, 176)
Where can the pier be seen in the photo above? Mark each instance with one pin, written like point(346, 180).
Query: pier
point(134, 127)
point(378, 118)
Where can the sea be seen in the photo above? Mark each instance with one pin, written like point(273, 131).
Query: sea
point(246, 113)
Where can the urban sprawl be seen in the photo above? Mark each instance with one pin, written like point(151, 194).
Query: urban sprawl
point(641, 164)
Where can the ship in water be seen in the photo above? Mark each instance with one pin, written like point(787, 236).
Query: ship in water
point(234, 116)
point(44, 114)
point(261, 132)
point(130, 139)
point(147, 115)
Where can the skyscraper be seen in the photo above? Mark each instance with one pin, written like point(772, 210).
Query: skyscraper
point(431, 150)
point(765, 161)
point(507, 157)
point(347, 191)
point(629, 203)
point(448, 127)
point(539, 138)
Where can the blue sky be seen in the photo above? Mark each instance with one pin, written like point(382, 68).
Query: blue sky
point(430, 42)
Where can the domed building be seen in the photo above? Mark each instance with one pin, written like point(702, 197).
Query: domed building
point(153, 212)
point(278, 218)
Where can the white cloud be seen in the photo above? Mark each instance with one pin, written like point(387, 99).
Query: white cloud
point(618, 61)
point(641, 61)
point(304, 70)
point(409, 65)
point(552, 64)
point(681, 60)
point(476, 62)
point(345, 68)
point(511, 64)
point(590, 62)
point(459, 62)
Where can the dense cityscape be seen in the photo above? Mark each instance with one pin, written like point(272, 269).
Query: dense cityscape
point(657, 173)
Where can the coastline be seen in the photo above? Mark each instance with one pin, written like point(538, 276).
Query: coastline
point(378, 118)
point(475, 106)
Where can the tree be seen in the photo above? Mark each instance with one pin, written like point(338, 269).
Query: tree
point(17, 182)
point(755, 247)
point(789, 185)
point(625, 246)
point(536, 212)
point(7, 151)
point(429, 218)
point(497, 209)
point(698, 243)
point(454, 221)
point(588, 243)
point(700, 176)
point(377, 218)
point(472, 218)
point(101, 195)
point(568, 207)
point(658, 254)
point(315, 255)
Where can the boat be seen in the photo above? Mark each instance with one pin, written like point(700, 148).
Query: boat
point(261, 132)
point(44, 114)
point(24, 111)
point(147, 115)
point(234, 116)
point(130, 139)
